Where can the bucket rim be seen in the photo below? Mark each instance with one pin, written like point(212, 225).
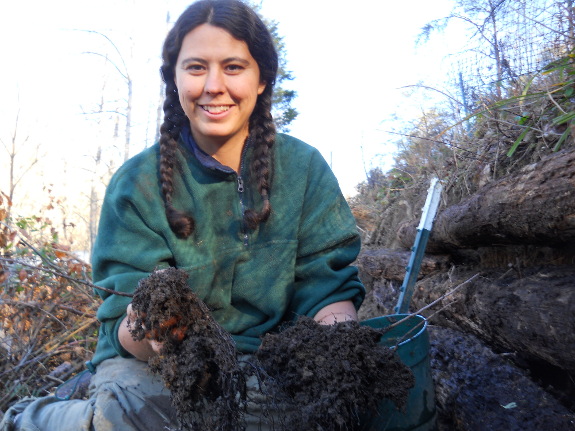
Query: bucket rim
point(398, 317)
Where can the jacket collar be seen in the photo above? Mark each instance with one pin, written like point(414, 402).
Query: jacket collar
point(204, 158)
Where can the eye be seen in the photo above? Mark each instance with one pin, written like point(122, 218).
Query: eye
point(195, 68)
point(234, 68)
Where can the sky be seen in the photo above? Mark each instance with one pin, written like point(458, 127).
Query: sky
point(349, 60)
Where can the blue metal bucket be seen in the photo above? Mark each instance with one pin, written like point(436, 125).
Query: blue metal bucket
point(412, 340)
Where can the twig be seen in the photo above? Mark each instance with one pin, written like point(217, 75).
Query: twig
point(451, 292)
point(555, 103)
point(36, 305)
point(441, 298)
point(67, 277)
point(36, 359)
point(68, 336)
point(38, 253)
point(64, 377)
point(32, 305)
point(53, 379)
point(441, 309)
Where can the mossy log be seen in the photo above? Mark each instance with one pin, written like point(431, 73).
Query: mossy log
point(528, 313)
point(534, 206)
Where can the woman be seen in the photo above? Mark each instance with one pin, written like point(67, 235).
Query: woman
point(255, 218)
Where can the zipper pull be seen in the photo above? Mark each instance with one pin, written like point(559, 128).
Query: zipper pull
point(240, 185)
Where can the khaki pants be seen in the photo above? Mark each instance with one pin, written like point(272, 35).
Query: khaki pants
point(124, 396)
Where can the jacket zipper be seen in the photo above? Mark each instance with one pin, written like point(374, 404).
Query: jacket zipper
point(241, 194)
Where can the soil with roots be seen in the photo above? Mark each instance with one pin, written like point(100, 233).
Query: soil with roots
point(328, 376)
point(319, 377)
point(198, 361)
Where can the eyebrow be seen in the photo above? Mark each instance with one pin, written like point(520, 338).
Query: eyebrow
point(203, 61)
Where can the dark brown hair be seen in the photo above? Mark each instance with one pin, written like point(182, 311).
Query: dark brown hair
point(243, 24)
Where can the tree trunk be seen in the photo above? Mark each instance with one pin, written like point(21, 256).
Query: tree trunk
point(391, 264)
point(526, 311)
point(535, 206)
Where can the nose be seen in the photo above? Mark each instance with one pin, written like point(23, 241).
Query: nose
point(214, 82)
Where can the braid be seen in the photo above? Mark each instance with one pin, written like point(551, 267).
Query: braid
point(181, 223)
point(262, 129)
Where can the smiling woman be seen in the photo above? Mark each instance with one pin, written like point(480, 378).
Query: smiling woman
point(255, 218)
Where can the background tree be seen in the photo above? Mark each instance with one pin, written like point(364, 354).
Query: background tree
point(21, 158)
point(282, 110)
point(120, 66)
point(486, 21)
point(507, 41)
point(108, 114)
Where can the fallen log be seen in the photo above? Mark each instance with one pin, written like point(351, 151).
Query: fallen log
point(391, 264)
point(530, 313)
point(534, 206)
point(382, 272)
point(477, 390)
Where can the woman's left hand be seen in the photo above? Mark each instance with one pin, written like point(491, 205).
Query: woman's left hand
point(336, 312)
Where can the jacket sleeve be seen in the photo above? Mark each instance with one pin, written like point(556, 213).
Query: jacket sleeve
point(328, 244)
point(128, 248)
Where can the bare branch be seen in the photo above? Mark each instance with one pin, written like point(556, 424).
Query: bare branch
point(105, 112)
point(108, 60)
point(438, 300)
point(67, 277)
point(125, 75)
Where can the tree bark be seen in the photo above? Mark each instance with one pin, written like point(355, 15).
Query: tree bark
point(391, 264)
point(528, 311)
point(536, 206)
point(382, 272)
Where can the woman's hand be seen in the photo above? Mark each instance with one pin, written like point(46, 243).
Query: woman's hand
point(143, 349)
point(336, 312)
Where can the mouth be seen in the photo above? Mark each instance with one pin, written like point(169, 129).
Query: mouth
point(212, 109)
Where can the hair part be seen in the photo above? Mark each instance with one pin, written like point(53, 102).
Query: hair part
point(243, 24)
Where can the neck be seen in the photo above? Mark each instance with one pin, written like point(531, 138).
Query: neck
point(226, 151)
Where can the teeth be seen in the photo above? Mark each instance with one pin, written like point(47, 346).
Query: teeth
point(215, 109)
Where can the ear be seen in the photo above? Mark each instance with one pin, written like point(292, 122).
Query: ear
point(261, 87)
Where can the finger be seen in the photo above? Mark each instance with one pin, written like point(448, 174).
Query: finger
point(156, 346)
point(130, 311)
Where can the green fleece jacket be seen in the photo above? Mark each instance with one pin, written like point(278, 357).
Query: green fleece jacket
point(294, 264)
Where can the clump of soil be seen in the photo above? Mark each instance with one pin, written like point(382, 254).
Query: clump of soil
point(198, 360)
point(327, 375)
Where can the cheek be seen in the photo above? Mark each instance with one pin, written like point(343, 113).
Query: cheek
point(188, 99)
point(183, 102)
point(188, 90)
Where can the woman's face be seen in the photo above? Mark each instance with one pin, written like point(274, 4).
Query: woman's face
point(218, 84)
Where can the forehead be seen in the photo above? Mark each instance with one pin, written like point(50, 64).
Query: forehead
point(209, 41)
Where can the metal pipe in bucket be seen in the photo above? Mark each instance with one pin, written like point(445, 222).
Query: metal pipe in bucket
point(409, 336)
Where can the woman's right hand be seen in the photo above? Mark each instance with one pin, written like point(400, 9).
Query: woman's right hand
point(143, 349)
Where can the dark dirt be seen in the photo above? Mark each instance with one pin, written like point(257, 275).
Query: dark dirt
point(326, 374)
point(323, 376)
point(198, 362)
point(479, 390)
